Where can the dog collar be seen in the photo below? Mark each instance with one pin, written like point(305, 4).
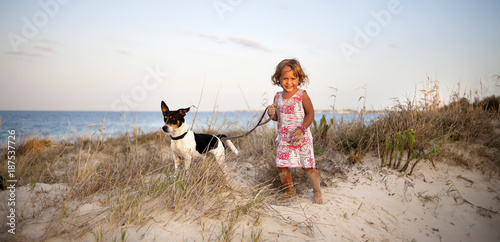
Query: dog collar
point(178, 137)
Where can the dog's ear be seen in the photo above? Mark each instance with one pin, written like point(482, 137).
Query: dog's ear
point(184, 111)
point(164, 108)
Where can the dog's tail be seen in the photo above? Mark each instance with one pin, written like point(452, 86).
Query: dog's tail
point(229, 143)
point(231, 146)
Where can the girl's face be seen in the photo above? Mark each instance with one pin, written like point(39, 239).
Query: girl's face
point(288, 80)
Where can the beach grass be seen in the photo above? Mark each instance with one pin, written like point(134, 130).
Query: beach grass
point(130, 177)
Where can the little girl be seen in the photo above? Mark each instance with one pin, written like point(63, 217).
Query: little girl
point(294, 112)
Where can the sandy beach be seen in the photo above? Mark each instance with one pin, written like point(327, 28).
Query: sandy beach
point(366, 203)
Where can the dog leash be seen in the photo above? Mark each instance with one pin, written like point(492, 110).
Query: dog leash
point(260, 123)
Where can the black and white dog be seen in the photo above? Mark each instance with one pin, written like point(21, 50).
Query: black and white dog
point(187, 145)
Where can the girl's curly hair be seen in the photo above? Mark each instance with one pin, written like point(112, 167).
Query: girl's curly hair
point(297, 71)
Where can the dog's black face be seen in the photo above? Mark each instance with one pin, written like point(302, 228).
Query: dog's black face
point(172, 119)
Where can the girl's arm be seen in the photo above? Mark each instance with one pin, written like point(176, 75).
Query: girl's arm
point(271, 111)
point(308, 110)
point(308, 118)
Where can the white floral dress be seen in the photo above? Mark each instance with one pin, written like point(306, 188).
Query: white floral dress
point(290, 115)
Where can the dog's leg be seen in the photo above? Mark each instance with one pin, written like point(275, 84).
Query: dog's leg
point(221, 161)
point(177, 162)
point(220, 157)
point(187, 163)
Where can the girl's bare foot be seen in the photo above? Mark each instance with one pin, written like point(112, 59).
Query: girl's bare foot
point(313, 176)
point(288, 195)
point(318, 198)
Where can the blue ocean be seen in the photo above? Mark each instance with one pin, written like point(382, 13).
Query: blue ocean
point(60, 125)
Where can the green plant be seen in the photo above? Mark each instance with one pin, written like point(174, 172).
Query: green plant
point(323, 126)
point(227, 228)
point(410, 134)
point(400, 143)
point(256, 235)
point(387, 153)
point(436, 150)
point(123, 235)
point(98, 235)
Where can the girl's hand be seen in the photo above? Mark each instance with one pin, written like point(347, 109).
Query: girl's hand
point(271, 111)
point(296, 135)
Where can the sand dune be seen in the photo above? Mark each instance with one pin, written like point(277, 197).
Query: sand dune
point(442, 203)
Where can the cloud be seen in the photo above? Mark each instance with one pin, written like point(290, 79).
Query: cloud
point(47, 41)
point(46, 48)
point(236, 40)
point(22, 53)
point(248, 43)
point(40, 48)
point(211, 37)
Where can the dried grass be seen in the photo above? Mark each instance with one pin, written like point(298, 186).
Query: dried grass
point(134, 176)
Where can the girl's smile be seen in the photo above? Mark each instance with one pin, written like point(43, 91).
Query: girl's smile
point(288, 80)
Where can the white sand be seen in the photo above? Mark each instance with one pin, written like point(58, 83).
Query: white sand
point(446, 203)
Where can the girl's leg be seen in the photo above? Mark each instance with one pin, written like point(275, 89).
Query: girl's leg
point(313, 176)
point(286, 180)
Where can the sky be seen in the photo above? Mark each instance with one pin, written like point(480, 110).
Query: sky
point(220, 54)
